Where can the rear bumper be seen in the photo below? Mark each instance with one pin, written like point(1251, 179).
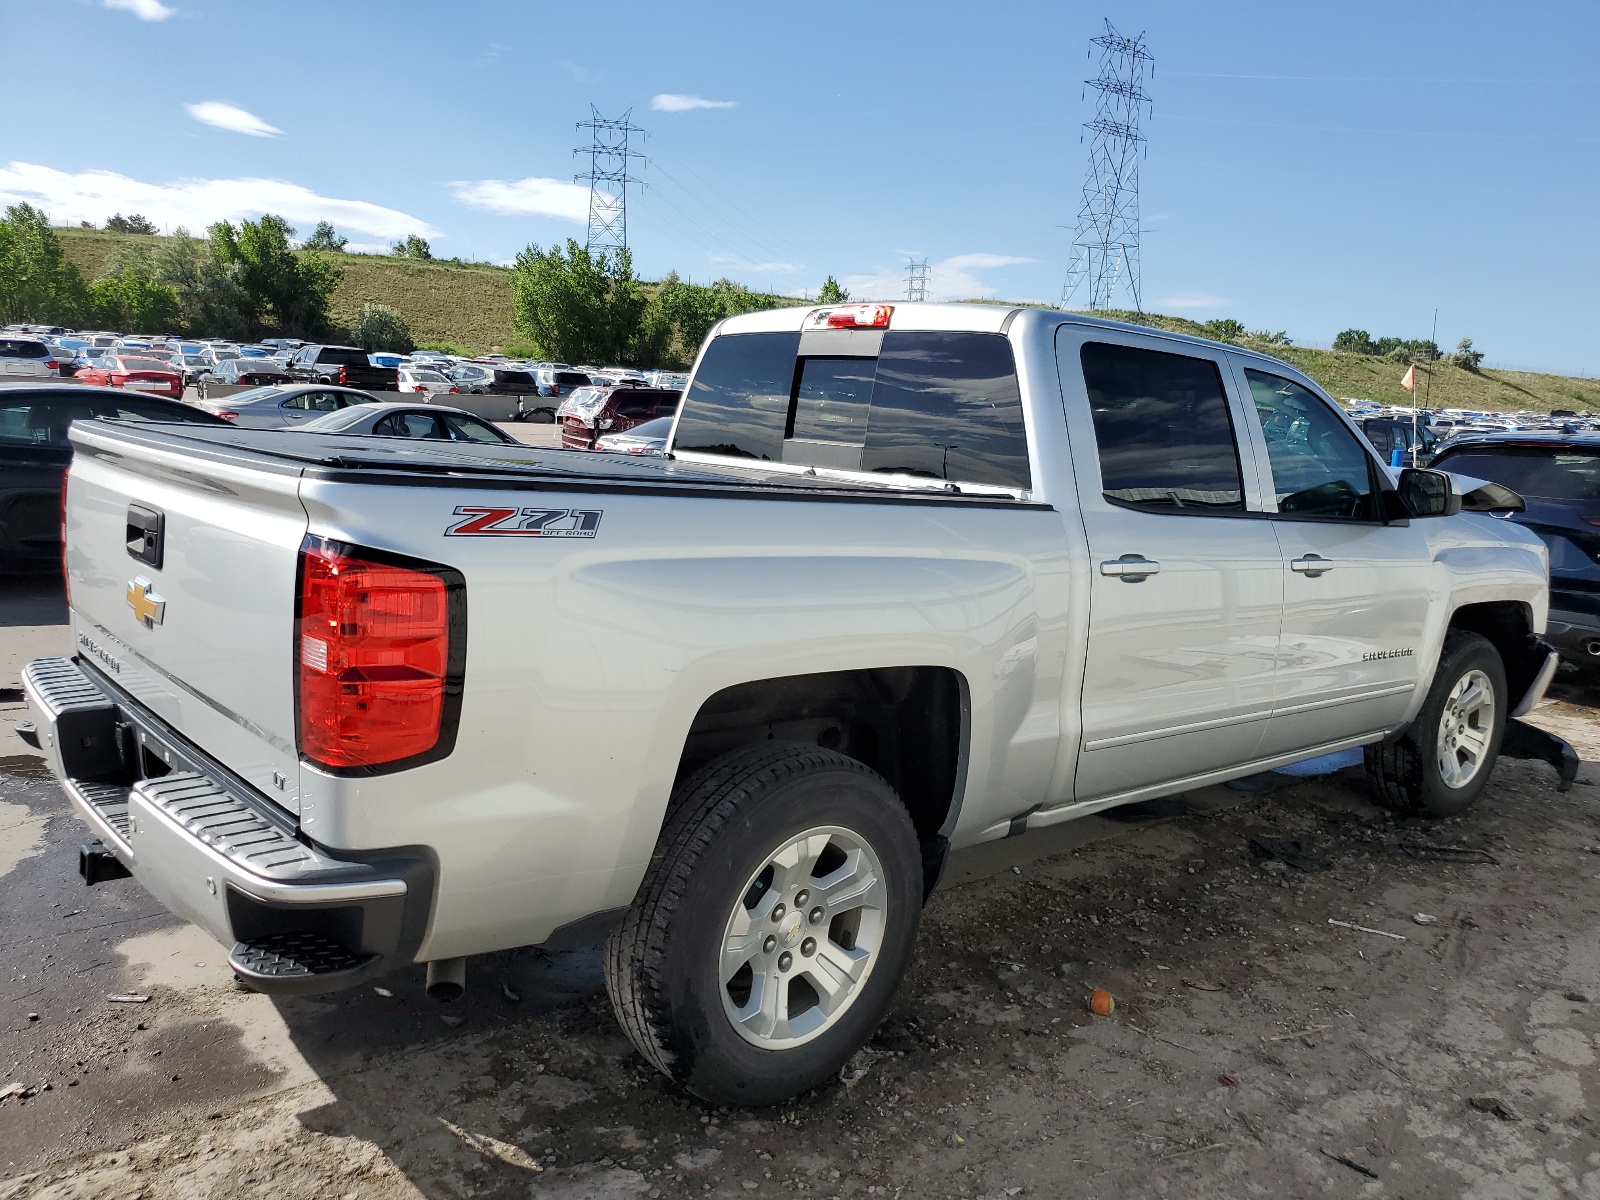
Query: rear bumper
point(298, 918)
point(1575, 634)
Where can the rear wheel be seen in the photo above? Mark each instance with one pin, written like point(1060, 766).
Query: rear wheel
point(1442, 763)
point(773, 926)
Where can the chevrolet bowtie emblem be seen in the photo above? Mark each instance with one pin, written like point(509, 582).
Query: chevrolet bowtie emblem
point(146, 605)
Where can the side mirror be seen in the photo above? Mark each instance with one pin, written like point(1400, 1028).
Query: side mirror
point(1428, 493)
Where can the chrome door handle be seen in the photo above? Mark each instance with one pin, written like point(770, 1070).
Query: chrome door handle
point(1311, 565)
point(1130, 568)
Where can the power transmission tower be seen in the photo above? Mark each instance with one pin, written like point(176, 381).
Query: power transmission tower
point(608, 178)
point(917, 280)
point(1106, 246)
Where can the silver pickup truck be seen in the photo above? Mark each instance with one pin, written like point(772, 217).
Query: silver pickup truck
point(914, 577)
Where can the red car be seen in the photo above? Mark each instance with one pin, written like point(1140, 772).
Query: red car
point(592, 411)
point(136, 374)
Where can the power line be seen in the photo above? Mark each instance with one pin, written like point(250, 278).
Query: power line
point(917, 279)
point(1106, 245)
point(608, 178)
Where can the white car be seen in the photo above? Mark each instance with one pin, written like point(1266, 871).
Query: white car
point(425, 380)
point(23, 357)
point(916, 577)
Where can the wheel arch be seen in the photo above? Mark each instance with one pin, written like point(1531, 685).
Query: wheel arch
point(1508, 626)
point(910, 724)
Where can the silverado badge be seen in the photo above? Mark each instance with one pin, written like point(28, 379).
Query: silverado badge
point(146, 605)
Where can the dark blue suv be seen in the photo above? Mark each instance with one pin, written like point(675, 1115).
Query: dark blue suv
point(1558, 475)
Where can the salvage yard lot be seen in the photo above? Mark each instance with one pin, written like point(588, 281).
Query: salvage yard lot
point(1255, 1049)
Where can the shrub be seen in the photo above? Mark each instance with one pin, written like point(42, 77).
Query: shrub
point(380, 327)
point(1224, 329)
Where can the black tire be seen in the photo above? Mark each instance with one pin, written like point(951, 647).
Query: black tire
point(1405, 773)
point(662, 965)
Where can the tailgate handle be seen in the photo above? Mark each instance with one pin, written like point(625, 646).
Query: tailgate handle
point(146, 534)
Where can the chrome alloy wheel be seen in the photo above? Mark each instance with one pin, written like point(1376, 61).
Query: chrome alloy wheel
point(803, 937)
point(1465, 729)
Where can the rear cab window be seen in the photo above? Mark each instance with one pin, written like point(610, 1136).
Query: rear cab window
point(936, 405)
point(343, 356)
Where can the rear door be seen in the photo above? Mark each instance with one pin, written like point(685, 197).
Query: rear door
point(1186, 590)
point(1355, 586)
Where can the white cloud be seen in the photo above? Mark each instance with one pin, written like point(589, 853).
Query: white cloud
point(675, 102)
point(547, 197)
point(194, 203)
point(776, 267)
point(222, 115)
point(145, 10)
point(953, 278)
point(1193, 300)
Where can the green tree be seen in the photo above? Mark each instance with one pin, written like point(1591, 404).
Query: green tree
point(1355, 341)
point(1224, 329)
point(831, 292)
point(380, 327)
point(131, 224)
point(213, 301)
point(133, 303)
point(414, 248)
point(288, 291)
point(1465, 356)
point(576, 306)
point(37, 283)
point(324, 238)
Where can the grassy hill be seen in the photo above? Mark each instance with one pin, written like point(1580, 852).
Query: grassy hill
point(467, 306)
point(470, 307)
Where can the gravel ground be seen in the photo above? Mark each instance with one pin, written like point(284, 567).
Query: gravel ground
point(1255, 1050)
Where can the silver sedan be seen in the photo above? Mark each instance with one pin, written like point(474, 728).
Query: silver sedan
point(433, 422)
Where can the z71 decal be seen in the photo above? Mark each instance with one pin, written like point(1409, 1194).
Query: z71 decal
point(525, 522)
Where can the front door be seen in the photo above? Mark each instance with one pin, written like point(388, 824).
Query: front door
point(1186, 583)
point(1355, 586)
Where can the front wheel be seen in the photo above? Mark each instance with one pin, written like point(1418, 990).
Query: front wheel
point(773, 925)
point(1442, 763)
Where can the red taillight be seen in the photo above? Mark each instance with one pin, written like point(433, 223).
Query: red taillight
point(374, 658)
point(453, 391)
point(341, 375)
point(227, 414)
point(854, 316)
point(52, 364)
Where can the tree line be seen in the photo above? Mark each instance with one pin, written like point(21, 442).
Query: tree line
point(247, 280)
point(238, 282)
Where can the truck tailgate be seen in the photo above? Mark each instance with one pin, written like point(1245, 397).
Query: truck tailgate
point(203, 635)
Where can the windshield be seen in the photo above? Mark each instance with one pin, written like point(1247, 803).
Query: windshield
point(143, 364)
point(426, 377)
point(1535, 472)
point(660, 427)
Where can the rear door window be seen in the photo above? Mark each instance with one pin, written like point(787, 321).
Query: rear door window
point(1539, 473)
point(738, 404)
point(1164, 433)
point(936, 405)
point(948, 406)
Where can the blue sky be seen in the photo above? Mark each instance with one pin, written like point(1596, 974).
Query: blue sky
point(1311, 166)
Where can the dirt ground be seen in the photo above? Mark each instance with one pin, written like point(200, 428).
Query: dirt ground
point(1256, 1049)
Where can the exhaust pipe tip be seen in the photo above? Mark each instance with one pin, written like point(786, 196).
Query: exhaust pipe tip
point(1592, 647)
point(447, 979)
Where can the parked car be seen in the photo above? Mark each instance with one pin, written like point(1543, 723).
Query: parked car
point(135, 374)
point(590, 412)
point(26, 358)
point(1558, 479)
point(481, 380)
point(1388, 434)
point(34, 453)
point(647, 438)
point(560, 381)
point(425, 381)
point(250, 371)
point(918, 577)
point(430, 422)
point(284, 407)
point(345, 365)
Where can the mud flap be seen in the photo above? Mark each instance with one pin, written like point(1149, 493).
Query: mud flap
point(1528, 741)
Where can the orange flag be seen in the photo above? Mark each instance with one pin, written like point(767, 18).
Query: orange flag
point(1409, 379)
